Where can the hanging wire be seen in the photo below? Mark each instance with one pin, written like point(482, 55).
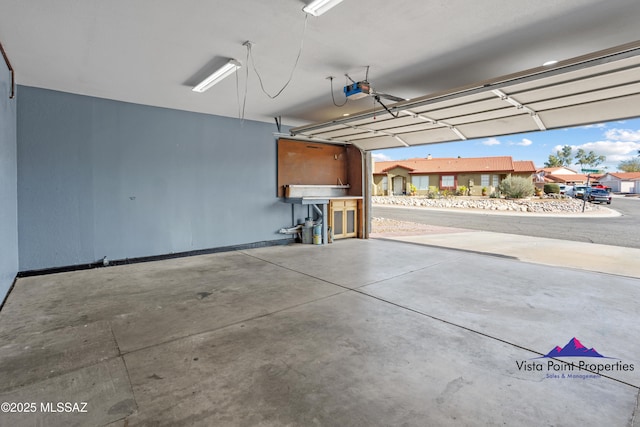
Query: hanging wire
point(241, 110)
point(295, 65)
point(334, 99)
point(238, 95)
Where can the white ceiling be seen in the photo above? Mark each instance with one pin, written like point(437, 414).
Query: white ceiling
point(152, 51)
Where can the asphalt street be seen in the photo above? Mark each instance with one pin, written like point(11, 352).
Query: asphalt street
point(617, 231)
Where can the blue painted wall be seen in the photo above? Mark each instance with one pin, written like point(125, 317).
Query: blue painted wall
point(103, 178)
point(8, 185)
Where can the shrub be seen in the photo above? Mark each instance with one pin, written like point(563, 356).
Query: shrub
point(516, 187)
point(433, 193)
point(551, 188)
point(462, 191)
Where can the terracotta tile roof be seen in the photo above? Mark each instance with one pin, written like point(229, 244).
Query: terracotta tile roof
point(625, 176)
point(395, 165)
point(503, 164)
point(523, 166)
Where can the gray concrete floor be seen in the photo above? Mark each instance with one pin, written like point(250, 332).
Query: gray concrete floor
point(357, 333)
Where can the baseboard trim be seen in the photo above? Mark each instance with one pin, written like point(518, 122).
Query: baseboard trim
point(100, 264)
point(4, 300)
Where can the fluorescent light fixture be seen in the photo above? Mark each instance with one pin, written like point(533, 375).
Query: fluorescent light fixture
point(318, 7)
point(218, 75)
point(550, 63)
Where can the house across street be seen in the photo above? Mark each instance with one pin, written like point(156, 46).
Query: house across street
point(479, 175)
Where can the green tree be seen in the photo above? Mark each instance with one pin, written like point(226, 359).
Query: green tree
point(553, 162)
point(589, 159)
point(631, 165)
point(565, 155)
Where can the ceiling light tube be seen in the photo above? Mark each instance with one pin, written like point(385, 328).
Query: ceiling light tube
point(318, 7)
point(217, 76)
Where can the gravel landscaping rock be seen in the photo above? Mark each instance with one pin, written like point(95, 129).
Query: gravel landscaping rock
point(533, 205)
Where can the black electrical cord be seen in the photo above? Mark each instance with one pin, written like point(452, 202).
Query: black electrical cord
point(395, 116)
point(334, 99)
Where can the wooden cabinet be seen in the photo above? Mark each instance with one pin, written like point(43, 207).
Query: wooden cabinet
point(343, 218)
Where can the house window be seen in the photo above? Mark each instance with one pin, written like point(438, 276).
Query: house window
point(496, 180)
point(484, 180)
point(384, 183)
point(421, 181)
point(448, 181)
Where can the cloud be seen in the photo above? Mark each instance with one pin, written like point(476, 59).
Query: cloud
point(595, 126)
point(618, 145)
point(524, 143)
point(491, 141)
point(379, 157)
point(622, 135)
point(615, 151)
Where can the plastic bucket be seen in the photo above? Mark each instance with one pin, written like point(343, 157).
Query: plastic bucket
point(307, 235)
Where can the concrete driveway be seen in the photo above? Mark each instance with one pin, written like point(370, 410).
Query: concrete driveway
point(357, 333)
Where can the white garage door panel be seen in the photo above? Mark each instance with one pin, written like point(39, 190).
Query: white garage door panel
point(615, 109)
point(517, 124)
point(603, 86)
point(578, 75)
point(591, 84)
point(466, 108)
point(342, 132)
point(584, 98)
point(503, 113)
point(451, 100)
point(378, 143)
point(435, 135)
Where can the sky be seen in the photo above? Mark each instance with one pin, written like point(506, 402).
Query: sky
point(619, 140)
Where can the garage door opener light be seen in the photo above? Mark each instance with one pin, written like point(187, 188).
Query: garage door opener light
point(218, 75)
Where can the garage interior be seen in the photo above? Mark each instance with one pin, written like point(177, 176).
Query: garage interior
point(142, 270)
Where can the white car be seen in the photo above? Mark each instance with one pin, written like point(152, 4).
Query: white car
point(579, 190)
point(570, 191)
